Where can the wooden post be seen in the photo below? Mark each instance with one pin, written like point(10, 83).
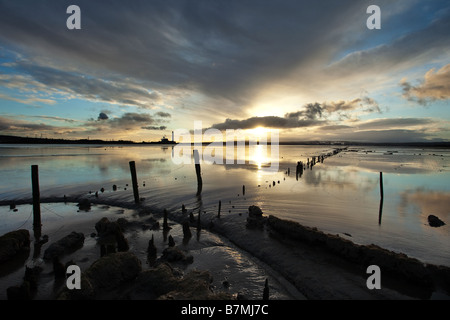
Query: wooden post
point(186, 230)
point(134, 181)
point(381, 185)
point(198, 172)
point(165, 224)
point(36, 201)
point(266, 290)
point(243, 190)
point(380, 211)
point(199, 222)
point(220, 207)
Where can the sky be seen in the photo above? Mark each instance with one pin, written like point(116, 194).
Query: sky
point(310, 70)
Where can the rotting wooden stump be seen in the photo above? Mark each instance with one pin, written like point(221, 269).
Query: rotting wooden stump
point(134, 181)
point(198, 172)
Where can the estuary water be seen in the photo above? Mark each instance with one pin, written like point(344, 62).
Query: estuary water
point(340, 195)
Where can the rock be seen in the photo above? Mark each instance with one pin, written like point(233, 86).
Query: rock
point(255, 218)
point(84, 204)
point(66, 245)
point(162, 283)
point(113, 270)
point(123, 223)
point(13, 243)
point(110, 234)
point(175, 254)
point(104, 276)
point(395, 264)
point(255, 211)
point(434, 221)
point(21, 292)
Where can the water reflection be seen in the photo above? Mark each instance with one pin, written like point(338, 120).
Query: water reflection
point(339, 195)
point(426, 202)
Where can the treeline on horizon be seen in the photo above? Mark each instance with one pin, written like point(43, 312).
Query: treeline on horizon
point(4, 139)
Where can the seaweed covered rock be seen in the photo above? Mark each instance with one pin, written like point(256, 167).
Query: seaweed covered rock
point(120, 276)
point(396, 264)
point(113, 270)
point(163, 283)
point(255, 218)
point(175, 254)
point(254, 212)
point(65, 245)
point(84, 204)
point(104, 276)
point(13, 243)
point(111, 234)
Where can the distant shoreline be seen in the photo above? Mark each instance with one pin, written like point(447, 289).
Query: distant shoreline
point(4, 139)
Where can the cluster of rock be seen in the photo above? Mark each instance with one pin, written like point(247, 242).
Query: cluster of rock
point(120, 276)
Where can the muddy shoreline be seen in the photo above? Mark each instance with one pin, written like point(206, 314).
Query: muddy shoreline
point(318, 265)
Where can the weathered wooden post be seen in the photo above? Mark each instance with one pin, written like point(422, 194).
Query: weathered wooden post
point(198, 172)
point(134, 181)
point(266, 290)
point(380, 211)
point(151, 249)
point(220, 207)
point(165, 224)
point(36, 201)
point(199, 222)
point(243, 190)
point(186, 230)
point(381, 185)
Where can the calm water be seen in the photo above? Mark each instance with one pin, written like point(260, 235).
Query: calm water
point(339, 196)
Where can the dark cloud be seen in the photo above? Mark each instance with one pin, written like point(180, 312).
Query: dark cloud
point(12, 126)
point(226, 49)
point(310, 115)
point(131, 120)
point(312, 111)
point(90, 88)
point(335, 127)
point(396, 123)
point(394, 135)
point(163, 114)
point(102, 116)
point(154, 128)
point(268, 122)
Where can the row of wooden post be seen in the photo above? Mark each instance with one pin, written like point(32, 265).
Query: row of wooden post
point(37, 224)
point(36, 192)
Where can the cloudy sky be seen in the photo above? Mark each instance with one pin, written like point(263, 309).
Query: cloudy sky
point(311, 69)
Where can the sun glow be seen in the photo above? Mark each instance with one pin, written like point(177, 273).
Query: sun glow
point(259, 132)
